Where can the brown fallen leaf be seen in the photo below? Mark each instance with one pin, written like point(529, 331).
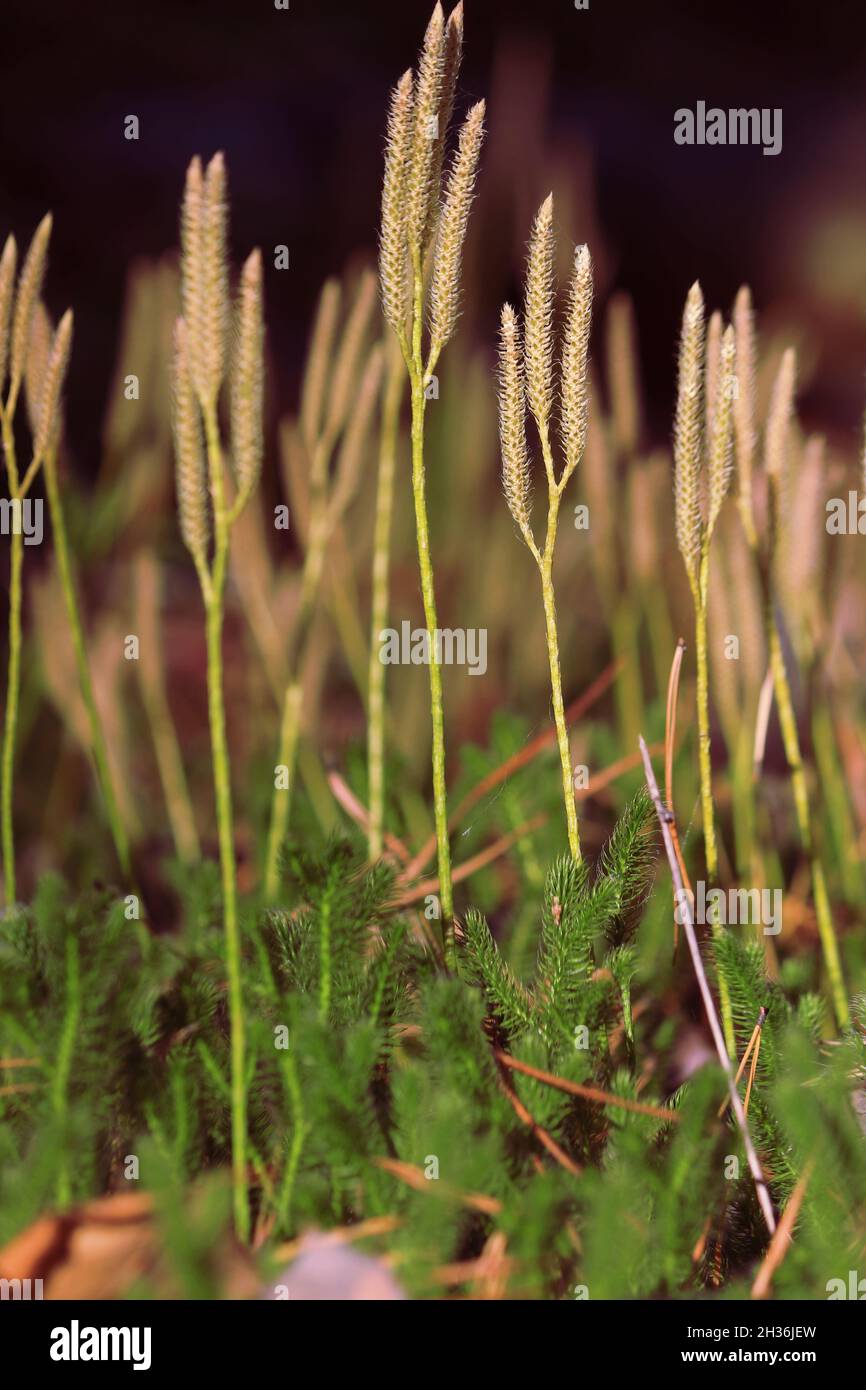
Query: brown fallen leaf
point(100, 1249)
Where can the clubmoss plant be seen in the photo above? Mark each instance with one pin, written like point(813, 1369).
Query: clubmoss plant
point(702, 473)
point(337, 408)
point(423, 218)
point(526, 373)
point(201, 361)
point(37, 358)
point(776, 466)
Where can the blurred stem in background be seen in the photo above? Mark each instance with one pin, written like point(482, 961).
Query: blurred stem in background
point(67, 582)
point(388, 439)
point(151, 676)
point(338, 404)
point(776, 444)
point(40, 359)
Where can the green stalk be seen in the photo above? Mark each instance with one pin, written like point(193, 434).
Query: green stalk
point(63, 1065)
point(628, 688)
point(170, 764)
point(549, 599)
point(282, 799)
point(299, 1134)
point(705, 766)
point(213, 597)
point(791, 742)
point(440, 805)
point(661, 634)
point(64, 567)
point(13, 675)
point(311, 575)
point(13, 685)
point(703, 712)
point(381, 562)
point(793, 756)
point(841, 820)
point(443, 848)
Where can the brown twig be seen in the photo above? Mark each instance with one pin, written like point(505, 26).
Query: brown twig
point(753, 1040)
point(345, 1235)
point(665, 817)
point(778, 1247)
point(500, 774)
point(574, 1088)
point(346, 798)
point(490, 1270)
point(471, 866)
point(526, 1118)
point(415, 1177)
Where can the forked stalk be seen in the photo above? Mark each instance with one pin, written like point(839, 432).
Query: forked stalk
point(199, 368)
point(38, 359)
point(526, 376)
point(423, 213)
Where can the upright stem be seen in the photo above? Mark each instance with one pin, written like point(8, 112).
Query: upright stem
point(13, 683)
point(381, 563)
point(13, 674)
point(63, 1065)
point(299, 1134)
point(546, 568)
point(290, 727)
point(791, 741)
point(703, 712)
point(222, 785)
point(64, 567)
point(282, 800)
point(706, 772)
point(440, 807)
point(793, 757)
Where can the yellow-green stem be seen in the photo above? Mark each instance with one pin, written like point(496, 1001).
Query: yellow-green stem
point(791, 742)
point(417, 377)
point(549, 599)
point(222, 786)
point(381, 562)
point(314, 560)
point(835, 796)
point(629, 686)
point(282, 799)
point(13, 683)
point(706, 774)
point(63, 1065)
point(67, 583)
point(299, 1134)
point(170, 764)
point(13, 675)
point(440, 806)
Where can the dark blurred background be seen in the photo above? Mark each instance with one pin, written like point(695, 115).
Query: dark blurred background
point(583, 100)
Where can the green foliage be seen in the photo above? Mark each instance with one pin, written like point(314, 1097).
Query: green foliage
point(375, 1089)
point(585, 929)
